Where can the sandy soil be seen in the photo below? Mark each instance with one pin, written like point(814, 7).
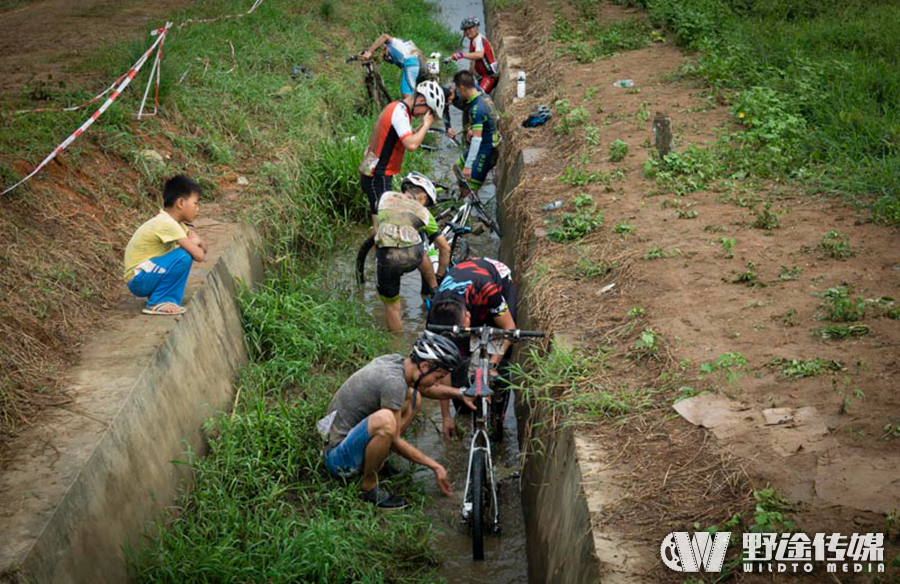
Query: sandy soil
point(838, 467)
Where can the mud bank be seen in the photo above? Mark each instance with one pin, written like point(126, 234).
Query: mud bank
point(91, 479)
point(558, 521)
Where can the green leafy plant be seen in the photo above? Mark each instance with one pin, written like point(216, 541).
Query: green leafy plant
point(749, 277)
point(636, 312)
point(841, 331)
point(570, 118)
point(727, 244)
point(791, 273)
point(765, 218)
point(618, 150)
point(656, 253)
point(769, 515)
point(574, 226)
point(840, 306)
point(731, 365)
point(647, 346)
point(592, 135)
point(797, 368)
point(588, 269)
point(686, 214)
point(836, 245)
point(624, 228)
point(583, 200)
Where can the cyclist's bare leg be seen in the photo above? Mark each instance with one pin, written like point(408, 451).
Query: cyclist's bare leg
point(393, 315)
point(382, 427)
point(427, 271)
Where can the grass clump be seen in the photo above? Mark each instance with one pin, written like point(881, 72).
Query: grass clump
point(589, 40)
point(570, 118)
point(574, 226)
point(841, 306)
point(618, 150)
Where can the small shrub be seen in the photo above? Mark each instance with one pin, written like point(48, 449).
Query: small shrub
point(618, 150)
point(836, 245)
point(574, 226)
point(765, 218)
point(797, 368)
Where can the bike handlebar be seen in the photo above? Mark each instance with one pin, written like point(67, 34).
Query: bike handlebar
point(465, 331)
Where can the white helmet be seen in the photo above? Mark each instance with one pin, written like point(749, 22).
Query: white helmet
point(420, 180)
point(434, 96)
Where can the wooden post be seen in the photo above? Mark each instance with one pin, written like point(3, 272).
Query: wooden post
point(662, 134)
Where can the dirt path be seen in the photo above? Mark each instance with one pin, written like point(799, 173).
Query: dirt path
point(819, 439)
point(43, 39)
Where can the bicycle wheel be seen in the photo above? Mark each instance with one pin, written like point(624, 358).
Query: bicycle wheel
point(364, 249)
point(478, 505)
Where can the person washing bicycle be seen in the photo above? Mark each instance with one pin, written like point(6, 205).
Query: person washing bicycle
point(404, 224)
point(406, 56)
point(368, 415)
point(477, 292)
point(481, 54)
point(393, 136)
point(483, 134)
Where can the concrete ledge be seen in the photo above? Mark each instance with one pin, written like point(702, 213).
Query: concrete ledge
point(91, 476)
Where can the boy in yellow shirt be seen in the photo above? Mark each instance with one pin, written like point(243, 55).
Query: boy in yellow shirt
point(159, 256)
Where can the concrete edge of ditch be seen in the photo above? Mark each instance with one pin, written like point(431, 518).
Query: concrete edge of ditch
point(105, 466)
point(564, 484)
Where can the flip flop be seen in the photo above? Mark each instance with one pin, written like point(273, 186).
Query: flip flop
point(156, 309)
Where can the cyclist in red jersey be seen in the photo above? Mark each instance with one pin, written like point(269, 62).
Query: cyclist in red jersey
point(481, 53)
point(393, 135)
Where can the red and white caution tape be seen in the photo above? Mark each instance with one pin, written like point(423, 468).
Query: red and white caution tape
point(125, 80)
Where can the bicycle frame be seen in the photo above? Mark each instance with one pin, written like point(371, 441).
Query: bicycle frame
point(480, 389)
point(480, 440)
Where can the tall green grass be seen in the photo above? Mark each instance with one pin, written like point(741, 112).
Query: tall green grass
point(822, 77)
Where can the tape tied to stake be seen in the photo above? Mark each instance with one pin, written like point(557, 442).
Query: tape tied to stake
point(125, 81)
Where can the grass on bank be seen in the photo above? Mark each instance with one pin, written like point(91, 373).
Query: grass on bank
point(262, 508)
point(299, 148)
point(814, 83)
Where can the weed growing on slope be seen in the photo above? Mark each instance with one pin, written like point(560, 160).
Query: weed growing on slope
point(841, 306)
point(836, 245)
point(569, 118)
point(655, 252)
point(624, 228)
point(765, 218)
point(841, 331)
point(647, 346)
point(798, 368)
point(588, 40)
point(727, 244)
point(731, 366)
point(574, 226)
point(618, 150)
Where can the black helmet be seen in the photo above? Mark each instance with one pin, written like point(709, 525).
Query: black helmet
point(437, 349)
point(469, 23)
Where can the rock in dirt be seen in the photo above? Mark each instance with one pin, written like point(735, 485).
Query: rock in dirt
point(242, 181)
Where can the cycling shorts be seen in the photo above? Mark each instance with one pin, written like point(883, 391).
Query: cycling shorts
point(487, 84)
point(484, 162)
point(374, 187)
point(390, 265)
point(410, 75)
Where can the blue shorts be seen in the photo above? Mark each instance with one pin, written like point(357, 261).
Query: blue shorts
point(410, 74)
point(346, 459)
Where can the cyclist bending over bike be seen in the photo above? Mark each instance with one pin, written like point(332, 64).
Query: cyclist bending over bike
point(481, 54)
point(393, 135)
point(404, 224)
point(406, 56)
point(484, 131)
point(369, 413)
point(477, 292)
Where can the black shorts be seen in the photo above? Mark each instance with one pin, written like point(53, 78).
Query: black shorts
point(374, 187)
point(390, 265)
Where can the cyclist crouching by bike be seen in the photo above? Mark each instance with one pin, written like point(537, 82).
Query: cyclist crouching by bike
point(404, 225)
point(406, 56)
point(369, 413)
point(476, 292)
point(483, 134)
point(481, 54)
point(393, 136)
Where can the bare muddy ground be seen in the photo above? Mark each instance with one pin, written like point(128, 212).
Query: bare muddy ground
point(827, 451)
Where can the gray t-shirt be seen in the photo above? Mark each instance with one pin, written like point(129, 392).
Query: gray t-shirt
point(380, 384)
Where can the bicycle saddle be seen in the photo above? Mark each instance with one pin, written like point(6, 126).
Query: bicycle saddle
point(485, 392)
point(459, 229)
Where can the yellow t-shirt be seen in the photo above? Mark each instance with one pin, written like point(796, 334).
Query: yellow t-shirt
point(154, 238)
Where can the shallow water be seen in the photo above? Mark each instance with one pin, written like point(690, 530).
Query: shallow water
point(505, 554)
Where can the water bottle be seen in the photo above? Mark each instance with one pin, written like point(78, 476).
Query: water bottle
point(624, 83)
point(553, 206)
point(520, 86)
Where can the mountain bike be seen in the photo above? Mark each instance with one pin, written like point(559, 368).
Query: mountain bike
point(480, 506)
point(375, 87)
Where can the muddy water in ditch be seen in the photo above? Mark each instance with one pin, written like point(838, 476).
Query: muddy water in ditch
point(505, 560)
